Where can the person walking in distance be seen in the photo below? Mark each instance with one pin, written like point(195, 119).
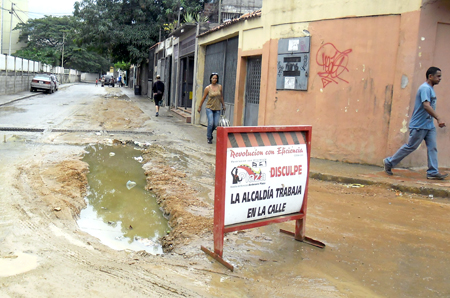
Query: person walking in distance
point(96, 82)
point(421, 127)
point(215, 99)
point(158, 92)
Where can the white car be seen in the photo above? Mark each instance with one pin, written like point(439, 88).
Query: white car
point(43, 82)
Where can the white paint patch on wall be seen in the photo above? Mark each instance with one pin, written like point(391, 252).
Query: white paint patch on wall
point(405, 81)
point(404, 129)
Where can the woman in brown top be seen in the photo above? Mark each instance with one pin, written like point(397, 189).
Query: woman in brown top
point(215, 99)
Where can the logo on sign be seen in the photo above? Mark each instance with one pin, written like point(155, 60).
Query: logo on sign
point(244, 174)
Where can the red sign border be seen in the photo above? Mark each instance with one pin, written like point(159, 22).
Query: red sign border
point(219, 197)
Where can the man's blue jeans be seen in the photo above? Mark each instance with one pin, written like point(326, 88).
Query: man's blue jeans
point(416, 136)
point(213, 121)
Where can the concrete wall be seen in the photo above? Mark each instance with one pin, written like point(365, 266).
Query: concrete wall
point(359, 105)
point(11, 82)
point(430, 48)
point(16, 73)
point(88, 77)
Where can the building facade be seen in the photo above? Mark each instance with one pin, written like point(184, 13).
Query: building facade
point(348, 68)
point(20, 14)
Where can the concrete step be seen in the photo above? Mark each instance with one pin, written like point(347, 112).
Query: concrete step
point(185, 113)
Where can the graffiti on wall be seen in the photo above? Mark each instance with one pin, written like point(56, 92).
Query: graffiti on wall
point(333, 63)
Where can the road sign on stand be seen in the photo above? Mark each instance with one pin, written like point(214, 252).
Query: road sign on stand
point(262, 178)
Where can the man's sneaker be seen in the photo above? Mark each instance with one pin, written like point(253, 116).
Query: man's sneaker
point(157, 114)
point(437, 176)
point(209, 141)
point(387, 168)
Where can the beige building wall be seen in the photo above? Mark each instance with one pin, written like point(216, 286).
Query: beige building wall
point(360, 104)
point(21, 8)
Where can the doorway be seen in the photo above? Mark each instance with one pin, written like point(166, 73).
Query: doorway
point(252, 89)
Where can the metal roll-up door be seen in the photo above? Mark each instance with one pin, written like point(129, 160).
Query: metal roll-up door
point(214, 62)
point(229, 82)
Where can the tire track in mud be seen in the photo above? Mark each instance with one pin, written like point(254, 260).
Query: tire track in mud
point(6, 220)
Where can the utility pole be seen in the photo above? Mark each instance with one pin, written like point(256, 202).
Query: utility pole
point(220, 12)
point(179, 12)
point(62, 56)
point(1, 33)
point(10, 27)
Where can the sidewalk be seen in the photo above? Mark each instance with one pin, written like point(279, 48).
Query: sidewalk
point(9, 98)
point(404, 180)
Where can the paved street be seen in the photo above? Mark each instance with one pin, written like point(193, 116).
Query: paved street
point(385, 236)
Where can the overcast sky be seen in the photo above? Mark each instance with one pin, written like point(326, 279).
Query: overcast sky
point(39, 8)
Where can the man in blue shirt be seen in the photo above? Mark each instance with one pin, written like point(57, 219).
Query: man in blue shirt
point(422, 127)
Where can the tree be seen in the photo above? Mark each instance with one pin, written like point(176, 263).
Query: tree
point(126, 29)
point(44, 38)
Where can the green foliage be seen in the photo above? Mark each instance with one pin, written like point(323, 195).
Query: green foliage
point(44, 55)
point(189, 18)
point(102, 30)
point(44, 38)
point(201, 18)
point(195, 18)
point(126, 29)
point(169, 27)
point(122, 65)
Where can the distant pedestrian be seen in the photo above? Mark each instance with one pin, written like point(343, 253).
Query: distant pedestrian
point(119, 81)
point(96, 82)
point(158, 93)
point(421, 127)
point(215, 99)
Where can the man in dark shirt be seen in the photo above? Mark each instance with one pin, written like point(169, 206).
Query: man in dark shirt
point(158, 92)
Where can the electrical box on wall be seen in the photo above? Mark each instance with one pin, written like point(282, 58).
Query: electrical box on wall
point(293, 63)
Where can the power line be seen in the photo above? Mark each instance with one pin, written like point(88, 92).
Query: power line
point(43, 13)
point(38, 13)
point(15, 13)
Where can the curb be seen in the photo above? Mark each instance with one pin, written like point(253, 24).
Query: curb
point(34, 94)
point(20, 98)
point(422, 190)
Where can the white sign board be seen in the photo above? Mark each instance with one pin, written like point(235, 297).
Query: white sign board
point(264, 182)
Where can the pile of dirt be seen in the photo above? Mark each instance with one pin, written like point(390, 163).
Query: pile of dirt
point(113, 113)
point(176, 198)
point(60, 187)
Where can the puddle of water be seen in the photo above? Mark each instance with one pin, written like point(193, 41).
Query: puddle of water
point(120, 212)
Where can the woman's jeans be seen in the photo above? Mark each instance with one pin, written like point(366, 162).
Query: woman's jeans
point(416, 136)
point(213, 121)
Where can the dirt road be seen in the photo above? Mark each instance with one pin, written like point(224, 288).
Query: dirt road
point(380, 243)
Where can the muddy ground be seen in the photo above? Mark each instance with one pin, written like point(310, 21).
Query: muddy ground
point(380, 243)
